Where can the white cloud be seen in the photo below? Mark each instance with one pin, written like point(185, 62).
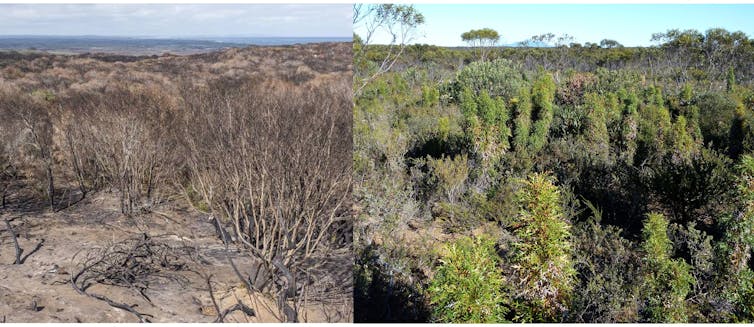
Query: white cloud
point(176, 20)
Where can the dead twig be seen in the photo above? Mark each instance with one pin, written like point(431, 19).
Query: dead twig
point(112, 303)
point(133, 263)
point(212, 296)
point(19, 251)
point(221, 314)
point(36, 248)
point(237, 307)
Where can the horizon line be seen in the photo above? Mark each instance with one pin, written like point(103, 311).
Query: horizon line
point(174, 36)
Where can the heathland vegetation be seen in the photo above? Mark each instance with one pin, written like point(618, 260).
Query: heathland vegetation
point(553, 181)
point(215, 184)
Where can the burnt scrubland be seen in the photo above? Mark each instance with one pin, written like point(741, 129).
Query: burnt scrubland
point(200, 188)
point(561, 183)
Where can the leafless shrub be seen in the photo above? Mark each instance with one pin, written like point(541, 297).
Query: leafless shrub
point(124, 136)
point(274, 162)
point(30, 118)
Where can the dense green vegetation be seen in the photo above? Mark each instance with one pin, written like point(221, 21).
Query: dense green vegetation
point(575, 183)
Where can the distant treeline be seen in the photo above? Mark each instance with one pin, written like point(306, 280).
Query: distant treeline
point(679, 57)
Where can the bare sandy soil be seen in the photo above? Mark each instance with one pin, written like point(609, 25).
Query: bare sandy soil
point(40, 289)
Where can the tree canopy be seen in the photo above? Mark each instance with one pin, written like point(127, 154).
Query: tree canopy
point(482, 40)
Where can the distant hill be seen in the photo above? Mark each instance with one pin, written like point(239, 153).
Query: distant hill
point(143, 45)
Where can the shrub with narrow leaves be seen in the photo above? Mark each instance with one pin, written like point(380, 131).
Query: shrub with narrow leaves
point(542, 252)
point(667, 281)
point(469, 285)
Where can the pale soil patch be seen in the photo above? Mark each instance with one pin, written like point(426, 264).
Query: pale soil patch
point(44, 278)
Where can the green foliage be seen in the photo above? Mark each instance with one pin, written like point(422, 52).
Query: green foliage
point(687, 94)
point(542, 256)
point(430, 96)
point(739, 129)
point(596, 127)
point(743, 296)
point(740, 228)
point(449, 138)
point(652, 95)
point(656, 244)
point(480, 34)
point(607, 267)
point(44, 95)
point(469, 287)
point(683, 145)
point(654, 130)
point(500, 78)
point(449, 175)
point(614, 80)
point(737, 244)
point(481, 39)
point(609, 44)
point(489, 111)
point(401, 13)
point(716, 112)
point(667, 281)
point(444, 128)
point(730, 81)
point(494, 114)
point(629, 126)
point(486, 124)
point(522, 122)
point(691, 190)
point(543, 95)
point(468, 103)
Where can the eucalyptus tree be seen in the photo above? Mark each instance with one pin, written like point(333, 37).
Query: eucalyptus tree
point(482, 40)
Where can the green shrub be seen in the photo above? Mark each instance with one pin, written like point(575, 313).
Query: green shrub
point(629, 126)
point(542, 251)
point(430, 96)
point(500, 78)
point(608, 268)
point(691, 190)
point(730, 80)
point(739, 129)
point(682, 143)
point(654, 130)
point(449, 175)
point(596, 127)
point(543, 96)
point(469, 286)
point(716, 113)
point(522, 122)
point(667, 281)
point(743, 296)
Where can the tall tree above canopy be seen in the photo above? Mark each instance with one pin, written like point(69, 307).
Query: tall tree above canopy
point(482, 39)
point(610, 44)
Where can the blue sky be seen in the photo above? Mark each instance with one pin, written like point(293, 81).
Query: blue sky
point(299, 20)
point(629, 24)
